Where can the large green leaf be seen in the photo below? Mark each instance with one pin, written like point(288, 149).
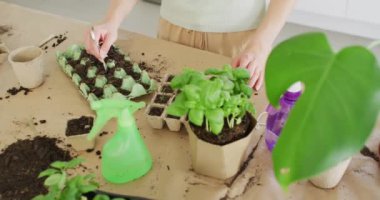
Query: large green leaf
point(337, 111)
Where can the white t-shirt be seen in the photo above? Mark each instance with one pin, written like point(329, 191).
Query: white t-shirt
point(214, 15)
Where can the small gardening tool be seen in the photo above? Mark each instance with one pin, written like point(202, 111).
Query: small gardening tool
point(98, 45)
point(125, 156)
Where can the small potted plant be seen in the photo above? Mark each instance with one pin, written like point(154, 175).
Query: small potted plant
point(62, 186)
point(334, 116)
point(3, 52)
point(27, 64)
point(220, 118)
point(77, 131)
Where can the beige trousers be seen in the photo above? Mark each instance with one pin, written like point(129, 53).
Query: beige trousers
point(228, 44)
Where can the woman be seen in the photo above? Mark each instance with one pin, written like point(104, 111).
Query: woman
point(241, 29)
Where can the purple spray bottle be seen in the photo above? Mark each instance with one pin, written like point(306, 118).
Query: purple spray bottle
point(277, 118)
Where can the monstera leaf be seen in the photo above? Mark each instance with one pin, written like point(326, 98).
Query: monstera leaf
point(336, 112)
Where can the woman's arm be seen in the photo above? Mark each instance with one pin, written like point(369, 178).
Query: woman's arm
point(106, 31)
point(255, 54)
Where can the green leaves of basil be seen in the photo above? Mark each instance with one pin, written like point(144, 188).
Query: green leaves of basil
point(212, 97)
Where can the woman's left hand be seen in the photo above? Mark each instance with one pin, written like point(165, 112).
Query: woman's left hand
point(253, 58)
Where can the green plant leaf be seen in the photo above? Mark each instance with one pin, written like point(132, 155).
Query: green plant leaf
point(216, 120)
point(196, 116)
point(177, 108)
point(101, 197)
point(48, 172)
point(87, 188)
point(59, 164)
point(335, 114)
point(189, 76)
point(191, 92)
point(62, 181)
point(53, 180)
point(74, 163)
point(214, 71)
point(246, 89)
point(40, 197)
point(241, 73)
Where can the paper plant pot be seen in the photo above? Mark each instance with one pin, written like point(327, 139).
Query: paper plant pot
point(27, 65)
point(331, 177)
point(173, 123)
point(3, 52)
point(156, 122)
point(80, 142)
point(219, 161)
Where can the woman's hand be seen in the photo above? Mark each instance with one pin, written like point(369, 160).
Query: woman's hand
point(105, 34)
point(253, 58)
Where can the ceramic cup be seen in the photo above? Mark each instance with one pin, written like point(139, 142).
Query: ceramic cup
point(3, 52)
point(27, 65)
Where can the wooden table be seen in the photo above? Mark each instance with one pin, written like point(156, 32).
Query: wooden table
point(171, 176)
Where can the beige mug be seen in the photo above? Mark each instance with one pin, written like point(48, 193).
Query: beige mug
point(27, 65)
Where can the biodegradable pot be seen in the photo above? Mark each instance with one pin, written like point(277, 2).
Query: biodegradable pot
point(173, 123)
point(331, 177)
point(80, 142)
point(220, 161)
point(27, 65)
point(3, 52)
point(156, 122)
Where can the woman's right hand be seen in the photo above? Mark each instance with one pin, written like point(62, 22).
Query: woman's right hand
point(105, 34)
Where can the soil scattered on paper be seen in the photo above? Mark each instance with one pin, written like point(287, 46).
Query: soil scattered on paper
point(21, 163)
point(14, 90)
point(156, 68)
point(367, 152)
point(79, 126)
point(54, 41)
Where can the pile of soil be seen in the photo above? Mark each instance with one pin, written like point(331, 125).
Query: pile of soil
point(228, 135)
point(79, 126)
point(21, 163)
point(113, 54)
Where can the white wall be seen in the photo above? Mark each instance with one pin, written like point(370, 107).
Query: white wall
point(357, 17)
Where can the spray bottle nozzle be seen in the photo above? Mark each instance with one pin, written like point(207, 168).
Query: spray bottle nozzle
point(107, 109)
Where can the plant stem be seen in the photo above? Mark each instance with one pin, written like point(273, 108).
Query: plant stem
point(207, 128)
point(373, 44)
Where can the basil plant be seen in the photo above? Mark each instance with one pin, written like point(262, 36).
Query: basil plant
point(213, 97)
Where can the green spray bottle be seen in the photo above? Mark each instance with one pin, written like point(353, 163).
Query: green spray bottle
point(125, 156)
